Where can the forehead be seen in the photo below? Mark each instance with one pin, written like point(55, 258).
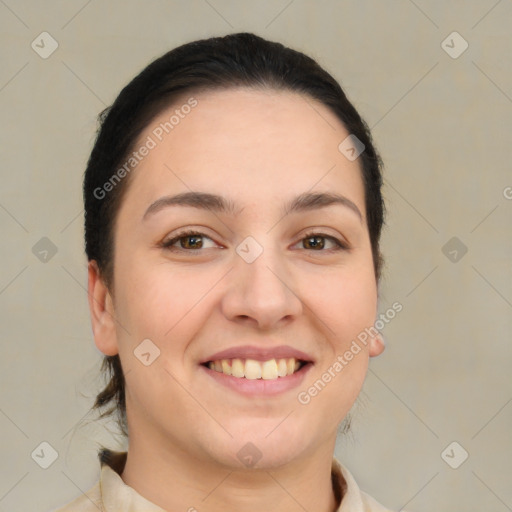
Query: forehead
point(255, 144)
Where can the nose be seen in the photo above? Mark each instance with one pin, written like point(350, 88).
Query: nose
point(261, 292)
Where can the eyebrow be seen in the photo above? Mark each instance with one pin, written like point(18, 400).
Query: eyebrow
point(212, 202)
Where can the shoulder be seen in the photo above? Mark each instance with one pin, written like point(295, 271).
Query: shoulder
point(354, 499)
point(87, 502)
point(371, 505)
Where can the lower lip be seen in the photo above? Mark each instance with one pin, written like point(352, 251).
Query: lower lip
point(260, 387)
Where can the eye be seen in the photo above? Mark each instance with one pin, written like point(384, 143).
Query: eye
point(193, 241)
point(188, 241)
point(316, 242)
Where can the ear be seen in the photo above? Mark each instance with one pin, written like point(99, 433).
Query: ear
point(377, 345)
point(102, 312)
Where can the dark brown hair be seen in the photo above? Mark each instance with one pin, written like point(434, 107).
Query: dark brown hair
point(235, 60)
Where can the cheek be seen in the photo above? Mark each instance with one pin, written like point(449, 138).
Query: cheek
point(154, 303)
point(359, 304)
point(348, 309)
point(346, 301)
point(161, 301)
point(158, 300)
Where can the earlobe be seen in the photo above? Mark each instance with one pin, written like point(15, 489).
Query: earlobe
point(377, 345)
point(102, 312)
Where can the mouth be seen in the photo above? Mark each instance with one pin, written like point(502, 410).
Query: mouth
point(253, 369)
point(256, 371)
point(253, 378)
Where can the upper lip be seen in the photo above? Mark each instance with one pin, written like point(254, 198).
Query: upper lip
point(259, 353)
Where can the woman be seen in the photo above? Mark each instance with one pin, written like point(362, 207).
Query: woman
point(233, 211)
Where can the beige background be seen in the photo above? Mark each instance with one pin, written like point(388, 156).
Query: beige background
point(443, 127)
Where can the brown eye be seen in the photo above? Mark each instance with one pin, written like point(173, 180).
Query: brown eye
point(191, 242)
point(316, 242)
point(187, 241)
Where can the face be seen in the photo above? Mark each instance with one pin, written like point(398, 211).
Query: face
point(279, 273)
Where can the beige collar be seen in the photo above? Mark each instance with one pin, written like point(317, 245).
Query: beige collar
point(117, 496)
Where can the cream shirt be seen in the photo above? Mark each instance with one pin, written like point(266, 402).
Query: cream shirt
point(111, 494)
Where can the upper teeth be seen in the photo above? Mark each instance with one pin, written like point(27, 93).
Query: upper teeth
point(253, 369)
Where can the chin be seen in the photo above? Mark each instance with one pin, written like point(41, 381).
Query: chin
point(261, 447)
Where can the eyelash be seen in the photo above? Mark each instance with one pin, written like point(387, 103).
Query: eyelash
point(340, 246)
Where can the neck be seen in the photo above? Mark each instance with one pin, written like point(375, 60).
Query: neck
point(173, 480)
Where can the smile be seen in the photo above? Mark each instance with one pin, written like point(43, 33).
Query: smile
point(253, 369)
point(256, 378)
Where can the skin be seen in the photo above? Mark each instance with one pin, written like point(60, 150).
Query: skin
point(259, 149)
